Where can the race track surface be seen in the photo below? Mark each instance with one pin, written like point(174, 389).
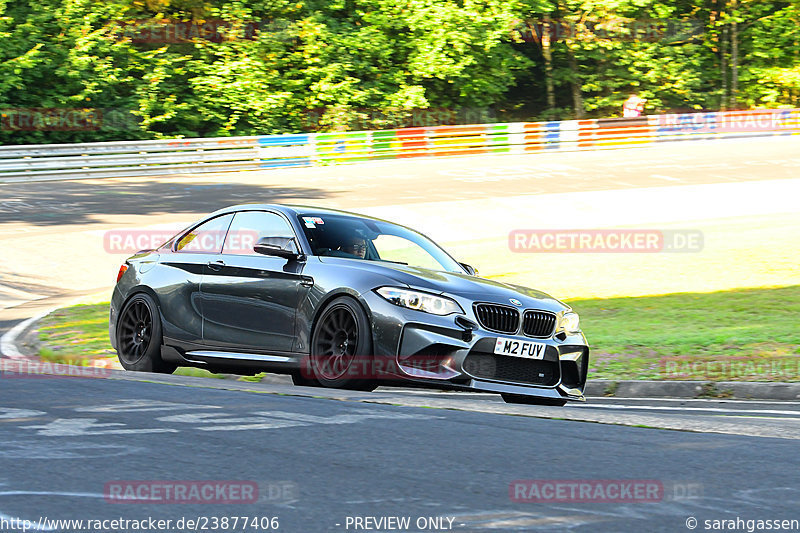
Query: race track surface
point(318, 456)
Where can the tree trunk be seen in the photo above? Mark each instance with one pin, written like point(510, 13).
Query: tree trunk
point(723, 52)
point(545, 45)
point(577, 97)
point(547, 52)
point(734, 57)
point(717, 21)
point(794, 89)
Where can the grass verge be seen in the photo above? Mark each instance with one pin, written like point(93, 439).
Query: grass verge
point(78, 335)
point(739, 335)
point(75, 335)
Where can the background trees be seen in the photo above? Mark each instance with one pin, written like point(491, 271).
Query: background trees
point(165, 68)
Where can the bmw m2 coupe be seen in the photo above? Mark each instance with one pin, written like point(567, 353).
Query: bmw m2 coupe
point(339, 300)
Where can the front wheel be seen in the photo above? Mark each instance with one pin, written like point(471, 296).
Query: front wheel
point(139, 337)
point(341, 347)
point(300, 379)
point(532, 400)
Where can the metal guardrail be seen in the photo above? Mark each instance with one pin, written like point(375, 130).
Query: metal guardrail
point(177, 156)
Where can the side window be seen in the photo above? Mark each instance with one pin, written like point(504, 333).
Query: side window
point(250, 226)
point(207, 237)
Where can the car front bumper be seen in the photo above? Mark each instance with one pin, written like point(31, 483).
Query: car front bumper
point(458, 351)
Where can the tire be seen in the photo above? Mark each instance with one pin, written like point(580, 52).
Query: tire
point(299, 379)
point(341, 336)
point(139, 337)
point(532, 400)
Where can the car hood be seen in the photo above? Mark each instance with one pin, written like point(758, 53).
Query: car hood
point(455, 284)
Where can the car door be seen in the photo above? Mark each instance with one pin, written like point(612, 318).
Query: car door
point(183, 263)
point(250, 300)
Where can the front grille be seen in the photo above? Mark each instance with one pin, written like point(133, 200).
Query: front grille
point(498, 318)
point(512, 369)
point(538, 323)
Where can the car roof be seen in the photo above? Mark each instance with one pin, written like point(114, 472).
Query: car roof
point(289, 210)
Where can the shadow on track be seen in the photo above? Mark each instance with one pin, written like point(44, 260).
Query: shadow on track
point(85, 202)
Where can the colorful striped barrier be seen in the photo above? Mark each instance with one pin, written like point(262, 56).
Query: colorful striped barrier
point(177, 156)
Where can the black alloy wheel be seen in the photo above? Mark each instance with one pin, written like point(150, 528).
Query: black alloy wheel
point(139, 337)
point(341, 345)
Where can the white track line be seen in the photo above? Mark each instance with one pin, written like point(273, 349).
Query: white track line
point(708, 409)
point(8, 346)
point(696, 400)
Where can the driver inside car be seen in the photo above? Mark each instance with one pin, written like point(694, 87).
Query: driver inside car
point(356, 246)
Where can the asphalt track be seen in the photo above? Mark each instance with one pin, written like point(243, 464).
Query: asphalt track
point(398, 452)
point(319, 460)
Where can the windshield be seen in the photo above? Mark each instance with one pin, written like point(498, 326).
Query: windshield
point(371, 240)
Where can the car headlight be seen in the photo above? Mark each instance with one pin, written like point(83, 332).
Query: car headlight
point(569, 323)
point(420, 301)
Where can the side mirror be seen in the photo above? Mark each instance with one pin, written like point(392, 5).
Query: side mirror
point(472, 271)
point(285, 247)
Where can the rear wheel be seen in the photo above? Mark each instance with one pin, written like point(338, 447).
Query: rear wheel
point(139, 337)
point(341, 347)
point(532, 400)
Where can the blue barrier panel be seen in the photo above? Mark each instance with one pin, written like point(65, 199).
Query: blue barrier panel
point(273, 140)
point(552, 135)
point(272, 144)
point(274, 163)
point(686, 123)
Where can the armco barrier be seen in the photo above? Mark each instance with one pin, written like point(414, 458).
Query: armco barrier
point(178, 156)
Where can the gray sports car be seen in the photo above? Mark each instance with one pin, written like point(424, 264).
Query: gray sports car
point(339, 300)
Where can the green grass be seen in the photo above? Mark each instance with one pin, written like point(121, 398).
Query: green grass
point(639, 338)
point(197, 372)
point(75, 335)
point(749, 334)
point(79, 334)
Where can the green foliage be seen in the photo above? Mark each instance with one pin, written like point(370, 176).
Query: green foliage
point(274, 66)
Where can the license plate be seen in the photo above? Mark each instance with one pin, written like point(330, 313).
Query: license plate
point(517, 348)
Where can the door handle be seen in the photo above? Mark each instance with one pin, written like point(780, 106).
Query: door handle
point(216, 266)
